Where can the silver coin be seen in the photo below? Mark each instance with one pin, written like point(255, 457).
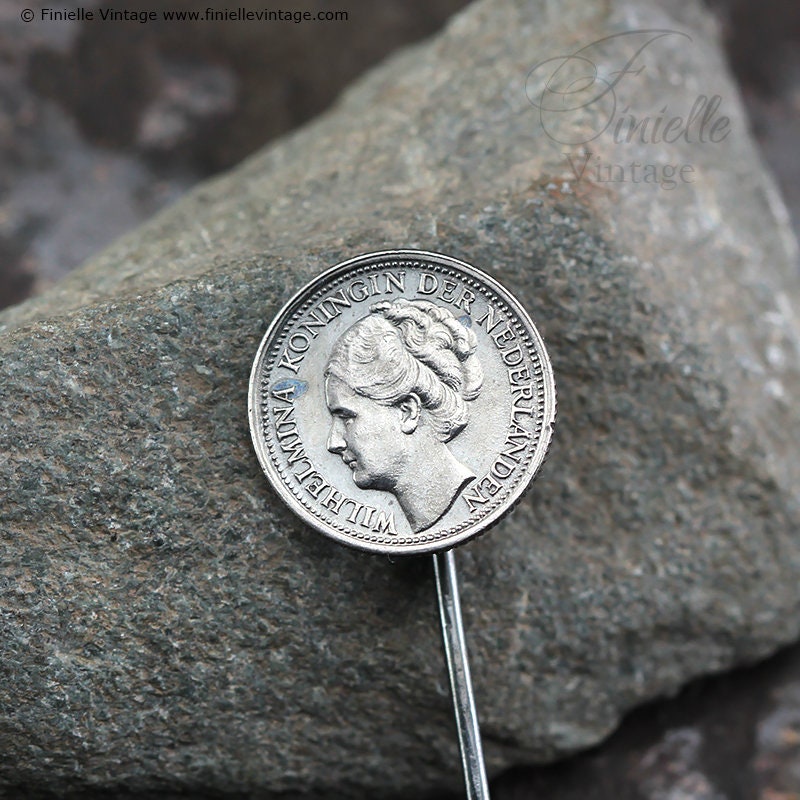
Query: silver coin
point(402, 402)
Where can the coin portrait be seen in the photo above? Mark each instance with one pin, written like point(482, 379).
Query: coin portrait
point(397, 386)
point(401, 402)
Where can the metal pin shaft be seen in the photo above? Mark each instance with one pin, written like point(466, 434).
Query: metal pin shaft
point(469, 734)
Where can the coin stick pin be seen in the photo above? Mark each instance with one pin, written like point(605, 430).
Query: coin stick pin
point(401, 403)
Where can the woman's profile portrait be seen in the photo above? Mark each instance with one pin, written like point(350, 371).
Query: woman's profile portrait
point(397, 385)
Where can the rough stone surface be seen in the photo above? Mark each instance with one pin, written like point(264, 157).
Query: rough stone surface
point(168, 627)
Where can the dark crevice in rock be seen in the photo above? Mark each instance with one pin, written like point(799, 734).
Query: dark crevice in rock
point(731, 737)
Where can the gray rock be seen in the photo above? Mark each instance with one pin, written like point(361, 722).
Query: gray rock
point(728, 737)
point(106, 123)
point(168, 627)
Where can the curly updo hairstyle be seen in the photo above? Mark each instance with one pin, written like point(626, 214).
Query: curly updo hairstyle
point(412, 347)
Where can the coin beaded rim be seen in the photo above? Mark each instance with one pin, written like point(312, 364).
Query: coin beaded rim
point(282, 325)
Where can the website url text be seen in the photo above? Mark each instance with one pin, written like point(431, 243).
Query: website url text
point(208, 15)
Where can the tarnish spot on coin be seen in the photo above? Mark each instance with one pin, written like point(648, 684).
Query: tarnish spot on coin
point(290, 388)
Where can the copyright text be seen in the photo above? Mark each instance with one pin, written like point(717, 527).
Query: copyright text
point(207, 15)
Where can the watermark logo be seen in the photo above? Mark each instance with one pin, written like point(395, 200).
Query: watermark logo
point(586, 166)
point(590, 93)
